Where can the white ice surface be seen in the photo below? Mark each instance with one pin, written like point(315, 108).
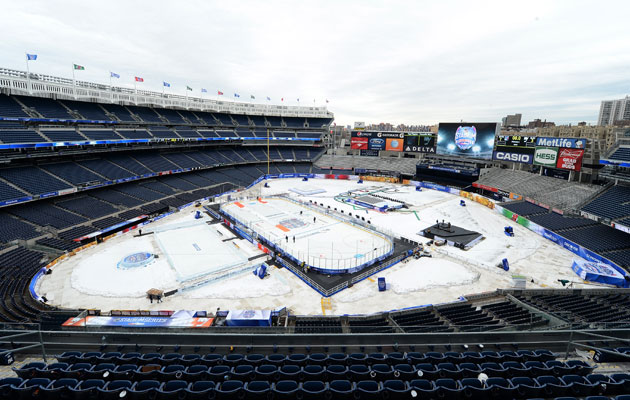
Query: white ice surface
point(450, 274)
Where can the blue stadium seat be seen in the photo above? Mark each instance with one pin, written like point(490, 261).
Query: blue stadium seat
point(123, 372)
point(580, 367)
point(130, 358)
point(297, 359)
point(229, 390)
point(447, 388)
point(494, 369)
point(196, 372)
point(219, 373)
point(286, 390)
point(144, 389)
point(341, 389)
point(313, 372)
point(171, 372)
point(212, 359)
point(551, 386)
point(200, 390)
point(244, 372)
point(474, 389)
point(60, 388)
point(358, 372)
point(268, 372)
point(370, 390)
point(405, 372)
point(29, 370)
point(313, 390)
point(275, 359)
point(427, 371)
point(357, 358)
point(500, 388)
point(424, 387)
point(619, 383)
point(98, 371)
point(8, 386)
point(233, 359)
point(173, 390)
point(149, 372)
point(87, 389)
point(254, 359)
point(31, 387)
point(91, 357)
point(190, 359)
point(69, 357)
point(449, 370)
point(526, 387)
point(337, 372)
point(290, 372)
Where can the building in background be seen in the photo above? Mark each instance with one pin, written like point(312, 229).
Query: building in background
point(612, 111)
point(511, 120)
point(537, 123)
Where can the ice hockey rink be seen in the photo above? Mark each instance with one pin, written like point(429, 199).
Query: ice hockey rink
point(319, 239)
point(91, 279)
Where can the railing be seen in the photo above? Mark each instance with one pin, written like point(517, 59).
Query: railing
point(28, 335)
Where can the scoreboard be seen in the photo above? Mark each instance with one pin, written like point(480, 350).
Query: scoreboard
point(516, 141)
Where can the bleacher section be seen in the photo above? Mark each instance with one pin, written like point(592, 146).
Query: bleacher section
point(402, 165)
point(621, 154)
point(613, 204)
point(551, 191)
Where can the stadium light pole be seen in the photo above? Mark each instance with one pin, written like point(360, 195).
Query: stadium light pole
point(267, 151)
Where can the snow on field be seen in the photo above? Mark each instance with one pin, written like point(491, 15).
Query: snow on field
point(91, 280)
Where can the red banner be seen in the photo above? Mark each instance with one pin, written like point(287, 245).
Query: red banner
point(484, 187)
point(359, 143)
point(570, 159)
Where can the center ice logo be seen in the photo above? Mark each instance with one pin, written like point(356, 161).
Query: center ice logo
point(465, 137)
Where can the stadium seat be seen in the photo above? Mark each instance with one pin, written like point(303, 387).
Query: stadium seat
point(290, 372)
point(577, 385)
point(219, 373)
point(200, 390)
point(8, 386)
point(405, 372)
point(358, 372)
point(32, 388)
point(230, 390)
point(297, 359)
point(526, 387)
point(469, 370)
point(149, 372)
point(60, 388)
point(318, 359)
point(54, 370)
point(313, 390)
point(341, 389)
point(275, 359)
point(87, 389)
point(98, 371)
point(286, 390)
point(171, 372)
point(619, 383)
point(212, 359)
point(144, 389)
point(551, 386)
point(581, 367)
point(173, 390)
point(122, 372)
point(244, 373)
point(69, 357)
point(500, 388)
point(447, 388)
point(369, 390)
point(254, 359)
point(130, 358)
point(267, 372)
point(449, 370)
point(337, 372)
point(233, 359)
point(474, 389)
point(29, 370)
point(427, 371)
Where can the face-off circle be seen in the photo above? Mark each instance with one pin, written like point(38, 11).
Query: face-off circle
point(136, 260)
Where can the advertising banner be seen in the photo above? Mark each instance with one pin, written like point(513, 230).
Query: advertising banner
point(523, 158)
point(423, 142)
point(393, 144)
point(547, 156)
point(570, 159)
point(568, 143)
point(359, 143)
point(376, 144)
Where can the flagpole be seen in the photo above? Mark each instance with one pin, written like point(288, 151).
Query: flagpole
point(267, 151)
point(28, 77)
point(74, 84)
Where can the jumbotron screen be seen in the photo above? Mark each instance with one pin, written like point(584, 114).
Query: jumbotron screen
point(468, 139)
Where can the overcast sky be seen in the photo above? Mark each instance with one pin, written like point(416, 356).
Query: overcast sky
point(415, 62)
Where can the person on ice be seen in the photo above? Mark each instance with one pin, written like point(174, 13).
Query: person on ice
point(314, 219)
point(287, 238)
point(293, 239)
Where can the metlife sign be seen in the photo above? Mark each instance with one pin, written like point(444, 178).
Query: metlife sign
point(567, 143)
point(513, 157)
point(547, 156)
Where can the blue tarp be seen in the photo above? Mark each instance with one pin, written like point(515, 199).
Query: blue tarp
point(598, 272)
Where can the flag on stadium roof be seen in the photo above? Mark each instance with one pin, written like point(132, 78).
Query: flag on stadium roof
point(78, 67)
point(237, 95)
point(188, 88)
point(138, 79)
point(268, 98)
point(252, 96)
point(220, 93)
point(203, 90)
point(31, 57)
point(113, 75)
point(166, 84)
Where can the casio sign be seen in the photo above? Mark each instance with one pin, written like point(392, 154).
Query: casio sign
point(514, 157)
